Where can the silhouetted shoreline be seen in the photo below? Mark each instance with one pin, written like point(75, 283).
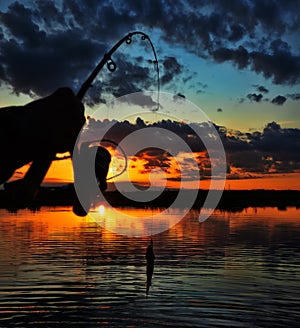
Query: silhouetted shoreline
point(231, 200)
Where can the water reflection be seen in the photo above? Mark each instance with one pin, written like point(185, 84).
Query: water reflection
point(235, 269)
point(136, 222)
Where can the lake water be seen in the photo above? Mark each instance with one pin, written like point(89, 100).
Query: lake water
point(233, 270)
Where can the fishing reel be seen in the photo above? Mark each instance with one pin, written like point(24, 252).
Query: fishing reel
point(91, 163)
point(102, 161)
point(90, 166)
point(22, 192)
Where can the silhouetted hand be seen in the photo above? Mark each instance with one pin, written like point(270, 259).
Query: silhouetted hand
point(34, 133)
point(39, 130)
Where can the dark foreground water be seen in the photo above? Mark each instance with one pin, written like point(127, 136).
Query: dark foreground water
point(233, 270)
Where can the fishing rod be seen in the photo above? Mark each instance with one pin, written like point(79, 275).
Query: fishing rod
point(112, 66)
point(27, 187)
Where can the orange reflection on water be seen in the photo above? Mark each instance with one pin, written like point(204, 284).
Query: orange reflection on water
point(135, 222)
point(271, 216)
point(58, 222)
point(36, 227)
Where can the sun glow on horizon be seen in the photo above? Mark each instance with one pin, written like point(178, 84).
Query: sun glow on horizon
point(145, 170)
point(101, 209)
point(61, 172)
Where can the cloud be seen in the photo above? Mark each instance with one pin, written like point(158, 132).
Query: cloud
point(172, 68)
point(293, 96)
point(239, 56)
point(154, 158)
point(262, 89)
point(34, 62)
point(281, 67)
point(38, 54)
point(279, 100)
point(47, 44)
point(179, 97)
point(282, 143)
point(255, 97)
point(184, 131)
point(267, 13)
point(272, 150)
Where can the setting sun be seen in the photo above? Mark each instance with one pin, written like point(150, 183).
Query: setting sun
point(101, 209)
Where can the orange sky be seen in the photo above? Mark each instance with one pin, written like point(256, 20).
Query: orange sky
point(61, 172)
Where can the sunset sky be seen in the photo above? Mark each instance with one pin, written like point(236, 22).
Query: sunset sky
point(239, 61)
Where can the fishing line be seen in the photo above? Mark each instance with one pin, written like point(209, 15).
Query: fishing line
point(125, 158)
point(112, 66)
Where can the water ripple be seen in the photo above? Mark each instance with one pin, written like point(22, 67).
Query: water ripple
point(233, 270)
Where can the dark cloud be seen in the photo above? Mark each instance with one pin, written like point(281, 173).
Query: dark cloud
point(154, 158)
point(237, 31)
point(246, 161)
point(140, 99)
point(279, 100)
point(294, 96)
point(268, 13)
point(171, 69)
point(94, 95)
point(279, 143)
point(18, 23)
point(272, 150)
point(255, 97)
point(281, 67)
point(130, 77)
point(122, 82)
point(179, 97)
point(262, 89)
point(239, 56)
point(186, 132)
point(255, 23)
point(46, 44)
point(34, 62)
point(40, 53)
point(278, 46)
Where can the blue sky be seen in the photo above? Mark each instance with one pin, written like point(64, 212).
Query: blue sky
point(225, 49)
